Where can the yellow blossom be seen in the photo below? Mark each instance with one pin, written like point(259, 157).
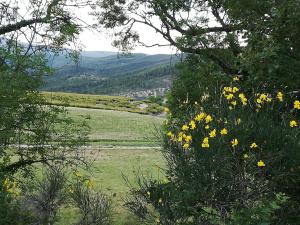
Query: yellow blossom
point(206, 127)
point(236, 78)
point(237, 121)
point(293, 123)
point(234, 142)
point(235, 89)
point(200, 116)
point(233, 103)
point(229, 96)
point(263, 97)
point(185, 127)
point(166, 110)
point(259, 101)
point(224, 131)
point(260, 163)
point(246, 156)
point(205, 143)
point(169, 134)
point(279, 96)
point(243, 98)
point(297, 104)
point(253, 145)
point(192, 125)
point(213, 133)
point(186, 146)
point(188, 138)
point(157, 220)
point(227, 89)
point(208, 119)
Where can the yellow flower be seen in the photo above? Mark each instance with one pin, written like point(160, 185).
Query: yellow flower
point(293, 123)
point(185, 127)
point(200, 116)
point(186, 146)
point(192, 125)
point(188, 138)
point(233, 103)
point(234, 142)
point(237, 121)
point(279, 96)
point(166, 110)
point(243, 98)
point(269, 99)
point(206, 127)
point(224, 131)
point(253, 145)
point(259, 101)
point(205, 143)
point(235, 89)
point(213, 133)
point(169, 134)
point(157, 220)
point(263, 97)
point(236, 78)
point(90, 184)
point(297, 104)
point(77, 174)
point(227, 89)
point(246, 156)
point(208, 119)
point(229, 96)
point(260, 163)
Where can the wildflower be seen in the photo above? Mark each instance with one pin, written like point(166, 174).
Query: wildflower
point(259, 101)
point(166, 110)
point(206, 127)
point(200, 116)
point(90, 184)
point(192, 125)
point(208, 119)
point(224, 131)
point(234, 142)
point(157, 220)
point(253, 145)
point(233, 103)
point(205, 143)
point(229, 96)
point(235, 89)
point(179, 137)
point(269, 99)
point(188, 138)
point(185, 127)
point(297, 104)
point(246, 156)
point(237, 121)
point(243, 98)
point(160, 200)
point(77, 174)
point(263, 97)
point(186, 146)
point(170, 134)
point(260, 163)
point(213, 133)
point(227, 89)
point(293, 123)
point(230, 108)
point(236, 78)
point(279, 96)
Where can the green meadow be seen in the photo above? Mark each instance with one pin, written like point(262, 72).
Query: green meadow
point(122, 143)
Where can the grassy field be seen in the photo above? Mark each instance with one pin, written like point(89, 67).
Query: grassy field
point(109, 166)
point(120, 128)
point(122, 143)
point(118, 103)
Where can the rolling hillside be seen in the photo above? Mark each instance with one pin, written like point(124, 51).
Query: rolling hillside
point(109, 73)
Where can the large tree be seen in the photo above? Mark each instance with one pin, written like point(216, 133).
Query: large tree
point(258, 39)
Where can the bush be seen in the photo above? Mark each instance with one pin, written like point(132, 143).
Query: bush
point(232, 158)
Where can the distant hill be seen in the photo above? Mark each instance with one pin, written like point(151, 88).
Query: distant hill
point(109, 73)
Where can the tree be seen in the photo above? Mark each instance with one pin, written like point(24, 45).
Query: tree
point(256, 39)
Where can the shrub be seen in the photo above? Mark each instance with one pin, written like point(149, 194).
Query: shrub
point(232, 158)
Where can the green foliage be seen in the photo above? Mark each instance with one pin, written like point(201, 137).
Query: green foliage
point(214, 179)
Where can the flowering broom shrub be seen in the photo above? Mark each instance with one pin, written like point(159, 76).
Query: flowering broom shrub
point(232, 158)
